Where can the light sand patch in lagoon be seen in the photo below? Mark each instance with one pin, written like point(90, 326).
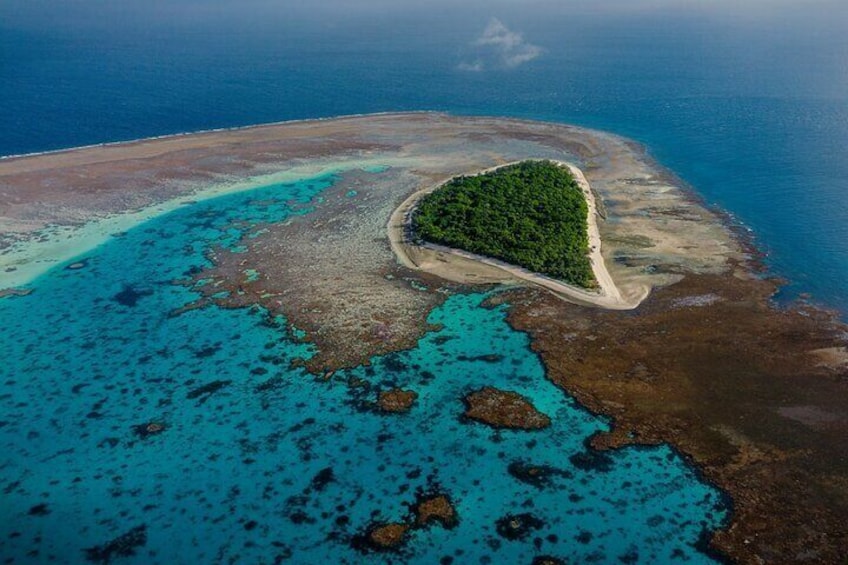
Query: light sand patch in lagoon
point(457, 265)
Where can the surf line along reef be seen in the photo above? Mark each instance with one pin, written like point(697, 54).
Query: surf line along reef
point(276, 236)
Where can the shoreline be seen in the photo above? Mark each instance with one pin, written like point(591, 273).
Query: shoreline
point(609, 297)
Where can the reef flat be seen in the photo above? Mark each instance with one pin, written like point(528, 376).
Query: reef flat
point(356, 293)
point(748, 393)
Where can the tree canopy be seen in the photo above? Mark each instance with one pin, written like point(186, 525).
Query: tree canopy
point(531, 214)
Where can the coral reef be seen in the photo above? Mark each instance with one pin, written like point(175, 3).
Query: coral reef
point(503, 409)
point(396, 400)
point(429, 509)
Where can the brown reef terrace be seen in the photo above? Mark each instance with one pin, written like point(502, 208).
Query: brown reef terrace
point(754, 395)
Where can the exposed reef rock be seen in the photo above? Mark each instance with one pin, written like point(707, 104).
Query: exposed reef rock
point(148, 429)
point(396, 400)
point(504, 409)
point(429, 509)
point(382, 537)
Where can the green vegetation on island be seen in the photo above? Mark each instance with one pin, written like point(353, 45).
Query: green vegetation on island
point(532, 214)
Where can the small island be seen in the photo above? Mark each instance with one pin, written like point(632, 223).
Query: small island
point(532, 214)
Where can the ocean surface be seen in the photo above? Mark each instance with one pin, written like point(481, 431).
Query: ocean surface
point(190, 435)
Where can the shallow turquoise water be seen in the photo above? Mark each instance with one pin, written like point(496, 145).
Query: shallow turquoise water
point(235, 476)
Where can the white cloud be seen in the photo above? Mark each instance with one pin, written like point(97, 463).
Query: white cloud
point(498, 46)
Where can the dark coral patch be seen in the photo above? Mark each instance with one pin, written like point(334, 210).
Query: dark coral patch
point(322, 479)
point(124, 545)
point(487, 358)
point(539, 476)
point(592, 460)
point(207, 390)
point(129, 296)
point(518, 526)
point(39, 510)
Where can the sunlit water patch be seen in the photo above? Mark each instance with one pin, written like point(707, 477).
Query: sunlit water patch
point(131, 434)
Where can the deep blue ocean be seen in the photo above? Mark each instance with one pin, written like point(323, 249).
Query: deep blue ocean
point(253, 461)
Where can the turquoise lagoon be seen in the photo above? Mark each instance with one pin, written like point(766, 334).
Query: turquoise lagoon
point(262, 463)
